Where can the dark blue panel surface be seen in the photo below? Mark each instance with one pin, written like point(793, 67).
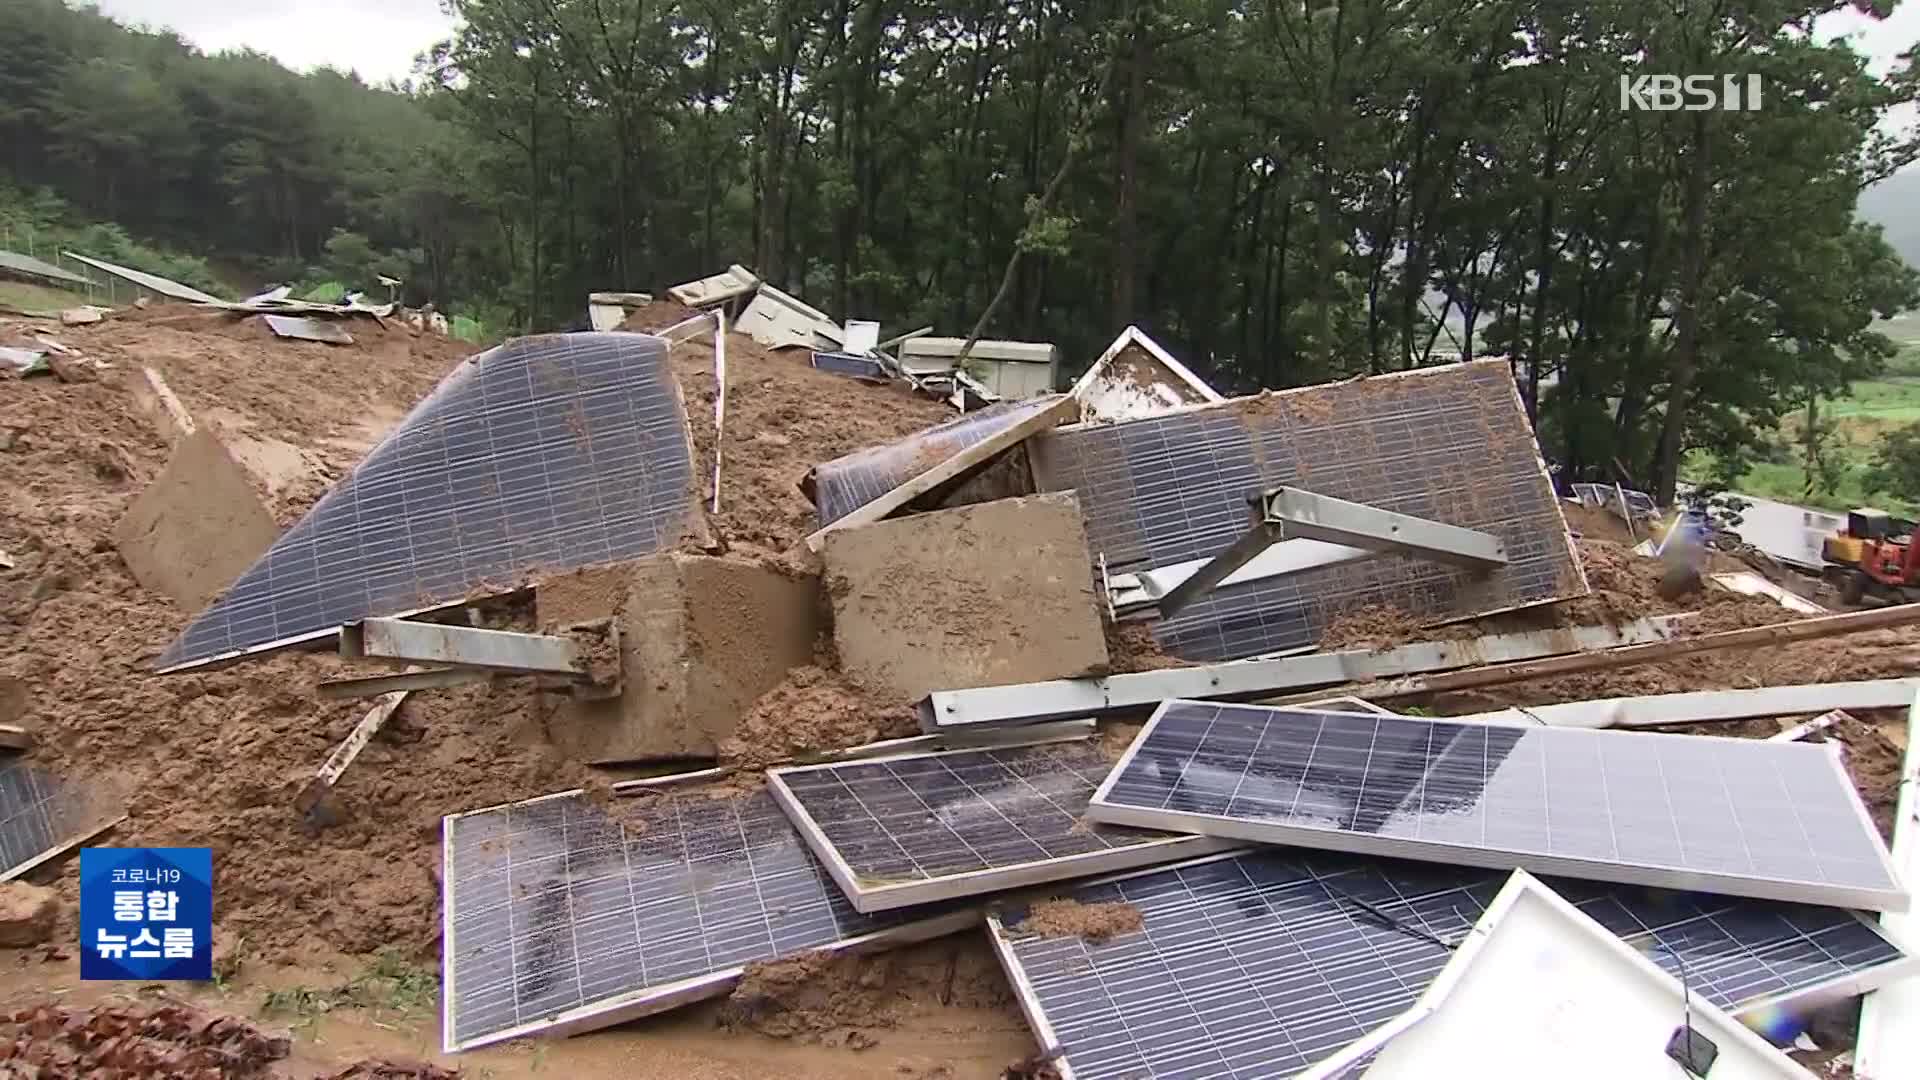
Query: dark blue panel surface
point(556, 906)
point(543, 454)
point(939, 815)
point(845, 484)
point(1258, 966)
point(1779, 814)
point(40, 812)
point(1451, 444)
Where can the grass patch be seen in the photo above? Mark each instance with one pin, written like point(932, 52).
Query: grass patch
point(38, 298)
point(390, 984)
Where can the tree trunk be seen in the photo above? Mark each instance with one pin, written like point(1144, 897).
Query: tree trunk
point(1125, 216)
point(1687, 319)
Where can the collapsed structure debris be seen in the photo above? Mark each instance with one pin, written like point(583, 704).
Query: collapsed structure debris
point(552, 575)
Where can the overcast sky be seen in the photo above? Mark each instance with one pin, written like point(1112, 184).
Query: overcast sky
point(379, 38)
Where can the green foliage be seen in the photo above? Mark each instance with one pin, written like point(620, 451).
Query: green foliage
point(43, 221)
point(1896, 464)
point(1281, 193)
point(323, 292)
point(390, 983)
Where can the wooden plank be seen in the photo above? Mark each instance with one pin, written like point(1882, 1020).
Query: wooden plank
point(15, 737)
point(1889, 1042)
point(316, 790)
point(1704, 706)
point(952, 468)
point(400, 640)
point(1633, 655)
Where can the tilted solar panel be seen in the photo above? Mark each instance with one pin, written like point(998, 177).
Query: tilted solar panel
point(1259, 965)
point(1745, 817)
point(561, 917)
point(42, 814)
point(543, 454)
point(845, 484)
point(1450, 444)
point(914, 828)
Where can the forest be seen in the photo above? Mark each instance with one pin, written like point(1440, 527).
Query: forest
point(1282, 192)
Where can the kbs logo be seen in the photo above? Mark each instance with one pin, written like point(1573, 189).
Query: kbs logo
point(1693, 93)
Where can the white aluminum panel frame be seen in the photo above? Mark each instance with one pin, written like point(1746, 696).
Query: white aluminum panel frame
point(1760, 888)
point(1526, 894)
point(868, 897)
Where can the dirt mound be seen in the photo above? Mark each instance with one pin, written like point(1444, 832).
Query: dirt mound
point(1067, 917)
point(172, 1041)
point(842, 999)
point(783, 418)
point(1131, 647)
point(814, 709)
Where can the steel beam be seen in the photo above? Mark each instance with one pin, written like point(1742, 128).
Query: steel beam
point(401, 641)
point(374, 686)
point(1705, 706)
point(1057, 699)
point(1348, 531)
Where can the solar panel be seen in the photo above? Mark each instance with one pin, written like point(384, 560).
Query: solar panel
point(914, 828)
point(559, 918)
point(543, 454)
point(1746, 817)
point(1258, 965)
point(1450, 444)
point(42, 815)
point(859, 367)
point(845, 484)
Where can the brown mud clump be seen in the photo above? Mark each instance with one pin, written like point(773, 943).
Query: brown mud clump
point(1131, 647)
point(840, 999)
point(1373, 626)
point(136, 1040)
point(783, 417)
point(1093, 923)
point(814, 709)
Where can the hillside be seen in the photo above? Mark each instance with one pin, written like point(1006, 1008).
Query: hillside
point(1894, 205)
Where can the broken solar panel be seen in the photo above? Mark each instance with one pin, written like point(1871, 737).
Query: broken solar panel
point(560, 917)
point(42, 815)
point(1260, 965)
point(915, 828)
point(1745, 817)
point(543, 454)
point(845, 484)
point(1450, 444)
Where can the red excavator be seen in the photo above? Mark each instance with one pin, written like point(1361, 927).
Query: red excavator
point(1875, 556)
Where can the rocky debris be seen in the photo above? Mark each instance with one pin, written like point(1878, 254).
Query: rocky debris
point(394, 1069)
point(27, 914)
point(137, 1041)
point(1094, 923)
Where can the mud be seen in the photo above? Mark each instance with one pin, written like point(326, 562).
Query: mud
point(1131, 647)
point(816, 709)
point(783, 417)
point(1095, 923)
point(136, 1041)
point(852, 1000)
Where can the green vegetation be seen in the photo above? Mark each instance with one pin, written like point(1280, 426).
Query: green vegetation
point(389, 984)
point(37, 298)
point(1282, 192)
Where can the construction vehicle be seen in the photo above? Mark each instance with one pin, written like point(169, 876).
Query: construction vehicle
point(1875, 556)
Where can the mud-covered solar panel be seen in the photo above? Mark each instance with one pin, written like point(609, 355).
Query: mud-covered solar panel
point(544, 454)
point(921, 827)
point(41, 813)
point(849, 364)
point(1258, 966)
point(1449, 444)
point(845, 484)
point(563, 914)
point(1748, 817)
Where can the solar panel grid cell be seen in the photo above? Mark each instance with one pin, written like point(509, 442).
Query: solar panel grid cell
point(1449, 444)
point(1260, 965)
point(560, 916)
point(1749, 817)
point(547, 452)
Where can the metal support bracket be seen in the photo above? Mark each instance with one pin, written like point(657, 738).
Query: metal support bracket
point(1346, 532)
point(401, 641)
